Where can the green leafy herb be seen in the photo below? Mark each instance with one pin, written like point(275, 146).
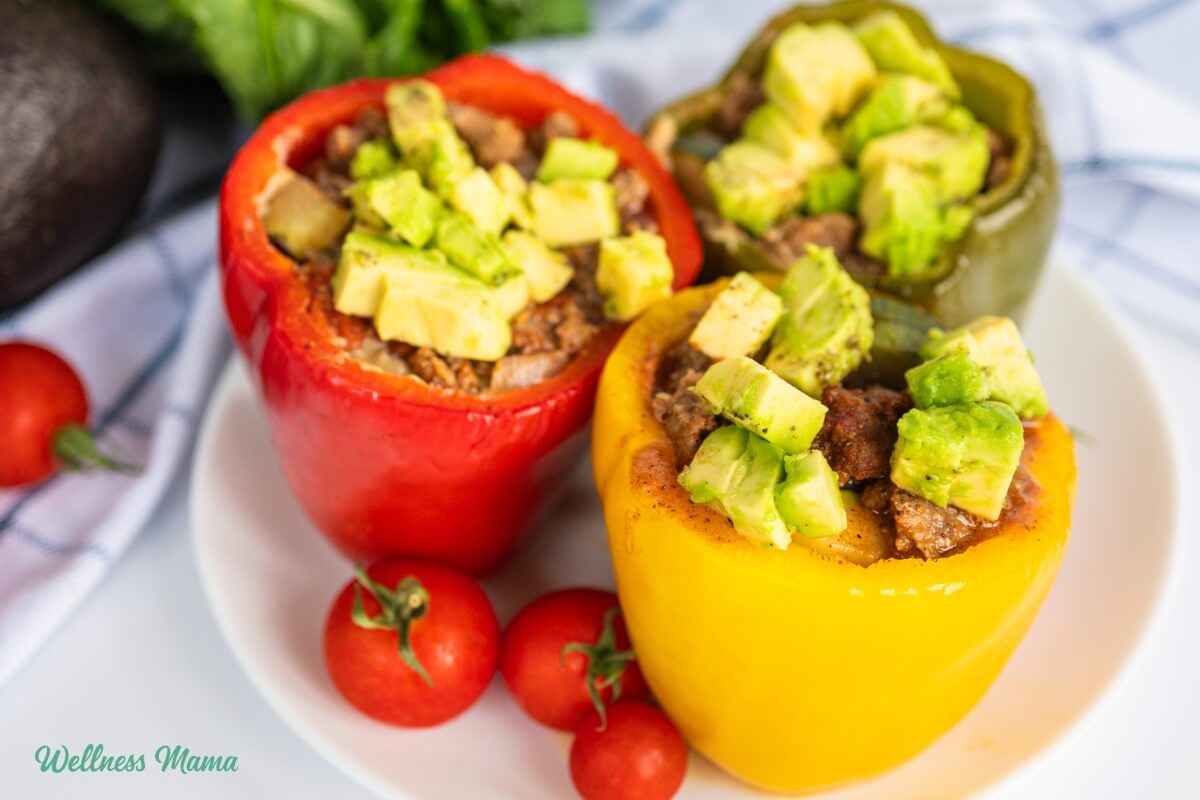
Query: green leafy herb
point(266, 52)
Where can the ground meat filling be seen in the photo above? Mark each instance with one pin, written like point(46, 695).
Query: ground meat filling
point(857, 440)
point(860, 431)
point(683, 415)
point(546, 336)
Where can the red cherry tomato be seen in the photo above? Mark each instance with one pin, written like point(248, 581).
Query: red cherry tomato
point(567, 652)
point(40, 396)
point(637, 756)
point(411, 643)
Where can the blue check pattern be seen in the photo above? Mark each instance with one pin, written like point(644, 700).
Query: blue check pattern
point(143, 323)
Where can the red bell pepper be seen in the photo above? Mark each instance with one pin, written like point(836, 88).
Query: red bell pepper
point(387, 465)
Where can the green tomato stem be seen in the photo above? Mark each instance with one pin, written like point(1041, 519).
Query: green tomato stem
point(606, 664)
point(76, 450)
point(401, 607)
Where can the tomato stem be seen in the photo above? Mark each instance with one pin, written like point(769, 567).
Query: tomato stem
point(76, 450)
point(401, 607)
point(606, 664)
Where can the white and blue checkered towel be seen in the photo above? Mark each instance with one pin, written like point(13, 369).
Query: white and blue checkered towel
point(144, 326)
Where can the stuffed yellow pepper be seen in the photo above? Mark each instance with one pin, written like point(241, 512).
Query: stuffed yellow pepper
point(823, 569)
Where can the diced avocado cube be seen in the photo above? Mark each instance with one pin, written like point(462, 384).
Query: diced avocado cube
point(634, 273)
point(958, 119)
point(516, 190)
point(964, 455)
point(809, 499)
point(365, 259)
point(547, 272)
point(372, 159)
point(301, 219)
point(449, 160)
point(473, 249)
point(894, 48)
point(750, 395)
point(566, 157)
point(459, 321)
point(409, 209)
point(752, 185)
point(769, 126)
point(478, 196)
point(832, 189)
point(512, 296)
point(571, 211)
point(714, 467)
point(826, 329)
point(957, 162)
point(739, 320)
point(901, 219)
point(949, 380)
point(410, 105)
point(897, 102)
point(814, 72)
point(995, 345)
point(737, 473)
point(365, 216)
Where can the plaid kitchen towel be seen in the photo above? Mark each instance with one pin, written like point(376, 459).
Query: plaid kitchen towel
point(144, 327)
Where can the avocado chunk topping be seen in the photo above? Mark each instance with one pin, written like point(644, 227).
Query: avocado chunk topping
point(409, 209)
point(809, 499)
point(832, 188)
point(995, 347)
point(752, 185)
point(771, 127)
point(816, 71)
point(903, 221)
point(478, 197)
point(949, 380)
point(737, 472)
point(894, 48)
point(516, 191)
point(426, 138)
point(473, 249)
point(897, 102)
point(755, 398)
point(301, 219)
point(373, 159)
point(956, 161)
point(566, 157)
point(634, 272)
point(739, 320)
point(460, 321)
point(571, 211)
point(826, 328)
point(963, 455)
point(547, 272)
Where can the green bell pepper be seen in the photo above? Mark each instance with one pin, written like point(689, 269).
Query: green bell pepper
point(993, 268)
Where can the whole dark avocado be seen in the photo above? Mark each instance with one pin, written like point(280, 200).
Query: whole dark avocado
point(79, 134)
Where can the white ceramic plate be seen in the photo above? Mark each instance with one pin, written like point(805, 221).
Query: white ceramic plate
point(270, 577)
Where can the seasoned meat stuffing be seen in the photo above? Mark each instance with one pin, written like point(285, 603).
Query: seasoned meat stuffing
point(684, 416)
point(556, 124)
point(632, 192)
point(789, 240)
point(1001, 159)
point(492, 139)
point(742, 96)
point(860, 430)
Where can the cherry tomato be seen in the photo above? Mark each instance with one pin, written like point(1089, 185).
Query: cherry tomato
point(43, 408)
point(637, 756)
point(411, 643)
point(567, 654)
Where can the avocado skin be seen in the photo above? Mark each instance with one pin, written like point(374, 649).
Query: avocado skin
point(79, 137)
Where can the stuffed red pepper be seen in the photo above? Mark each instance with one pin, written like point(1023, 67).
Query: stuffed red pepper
point(426, 276)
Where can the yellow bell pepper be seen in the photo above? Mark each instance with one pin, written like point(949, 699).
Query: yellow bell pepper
point(792, 670)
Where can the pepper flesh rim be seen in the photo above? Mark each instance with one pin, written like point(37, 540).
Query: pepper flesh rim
point(295, 132)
